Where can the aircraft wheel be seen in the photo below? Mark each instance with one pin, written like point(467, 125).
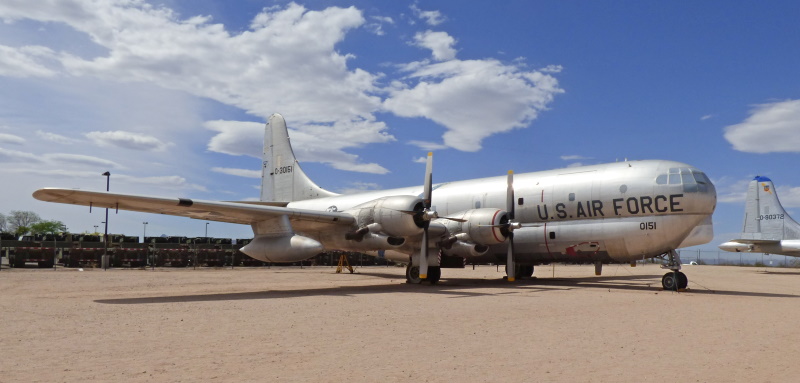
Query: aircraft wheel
point(525, 271)
point(434, 273)
point(674, 281)
point(683, 281)
point(412, 274)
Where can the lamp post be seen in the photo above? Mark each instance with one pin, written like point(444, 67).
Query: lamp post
point(105, 234)
point(207, 228)
point(95, 228)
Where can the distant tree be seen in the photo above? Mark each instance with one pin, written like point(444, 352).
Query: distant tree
point(21, 230)
point(19, 218)
point(44, 227)
point(2, 222)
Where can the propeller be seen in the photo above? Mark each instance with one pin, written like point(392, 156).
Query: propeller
point(511, 226)
point(427, 216)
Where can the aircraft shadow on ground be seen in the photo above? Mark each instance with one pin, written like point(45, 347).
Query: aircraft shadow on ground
point(456, 288)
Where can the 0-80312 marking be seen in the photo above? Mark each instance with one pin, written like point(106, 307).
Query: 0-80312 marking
point(767, 217)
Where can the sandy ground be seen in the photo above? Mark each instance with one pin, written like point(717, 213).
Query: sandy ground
point(291, 324)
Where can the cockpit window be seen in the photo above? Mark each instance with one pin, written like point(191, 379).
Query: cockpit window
point(692, 180)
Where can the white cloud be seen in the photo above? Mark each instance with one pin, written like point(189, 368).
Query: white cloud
point(473, 99)
point(311, 143)
point(128, 140)
point(706, 117)
point(440, 44)
point(57, 138)
point(8, 155)
point(6, 138)
point(79, 159)
point(248, 173)
point(27, 61)
point(575, 157)
point(425, 145)
point(430, 17)
point(420, 160)
point(773, 127)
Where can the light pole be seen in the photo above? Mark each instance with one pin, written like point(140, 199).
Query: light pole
point(207, 228)
point(144, 234)
point(105, 235)
point(95, 228)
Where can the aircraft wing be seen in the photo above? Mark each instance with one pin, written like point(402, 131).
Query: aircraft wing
point(232, 212)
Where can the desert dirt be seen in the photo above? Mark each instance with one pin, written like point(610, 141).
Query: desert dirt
point(312, 325)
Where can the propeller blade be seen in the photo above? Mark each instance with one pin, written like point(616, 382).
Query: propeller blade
point(423, 252)
point(510, 266)
point(426, 196)
point(510, 195)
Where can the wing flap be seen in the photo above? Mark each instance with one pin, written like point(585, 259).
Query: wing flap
point(232, 212)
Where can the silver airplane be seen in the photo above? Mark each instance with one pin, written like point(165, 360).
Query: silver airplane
point(767, 227)
point(616, 212)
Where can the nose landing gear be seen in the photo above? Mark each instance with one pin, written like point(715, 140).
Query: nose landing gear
point(674, 280)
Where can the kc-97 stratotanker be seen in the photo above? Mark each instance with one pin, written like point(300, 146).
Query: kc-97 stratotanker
point(615, 212)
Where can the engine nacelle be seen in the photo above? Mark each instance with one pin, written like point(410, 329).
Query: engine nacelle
point(466, 249)
point(282, 249)
point(373, 242)
point(481, 226)
point(393, 215)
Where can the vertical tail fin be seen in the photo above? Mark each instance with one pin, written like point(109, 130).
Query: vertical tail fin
point(282, 180)
point(764, 217)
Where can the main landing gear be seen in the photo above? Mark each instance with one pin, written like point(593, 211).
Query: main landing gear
point(412, 274)
point(674, 280)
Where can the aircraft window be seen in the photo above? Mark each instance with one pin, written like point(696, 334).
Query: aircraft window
point(674, 179)
point(700, 177)
point(662, 179)
point(674, 171)
point(687, 178)
point(571, 196)
point(690, 188)
point(520, 201)
point(552, 235)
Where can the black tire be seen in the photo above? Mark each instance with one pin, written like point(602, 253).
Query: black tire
point(524, 271)
point(670, 282)
point(683, 281)
point(412, 275)
point(434, 274)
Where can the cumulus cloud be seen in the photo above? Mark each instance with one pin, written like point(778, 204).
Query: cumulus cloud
point(430, 17)
point(128, 140)
point(473, 99)
point(248, 173)
point(440, 44)
point(11, 139)
point(310, 142)
point(772, 127)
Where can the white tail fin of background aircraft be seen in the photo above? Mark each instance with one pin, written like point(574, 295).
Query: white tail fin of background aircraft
point(767, 228)
point(282, 179)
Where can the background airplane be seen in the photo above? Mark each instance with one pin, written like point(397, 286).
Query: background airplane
point(767, 228)
point(615, 212)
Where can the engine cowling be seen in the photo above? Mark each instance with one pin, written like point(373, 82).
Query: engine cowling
point(466, 249)
point(480, 226)
point(391, 215)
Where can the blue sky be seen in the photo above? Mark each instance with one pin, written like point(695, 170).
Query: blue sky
point(170, 97)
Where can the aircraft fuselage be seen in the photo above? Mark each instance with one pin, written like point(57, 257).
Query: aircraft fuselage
point(619, 211)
